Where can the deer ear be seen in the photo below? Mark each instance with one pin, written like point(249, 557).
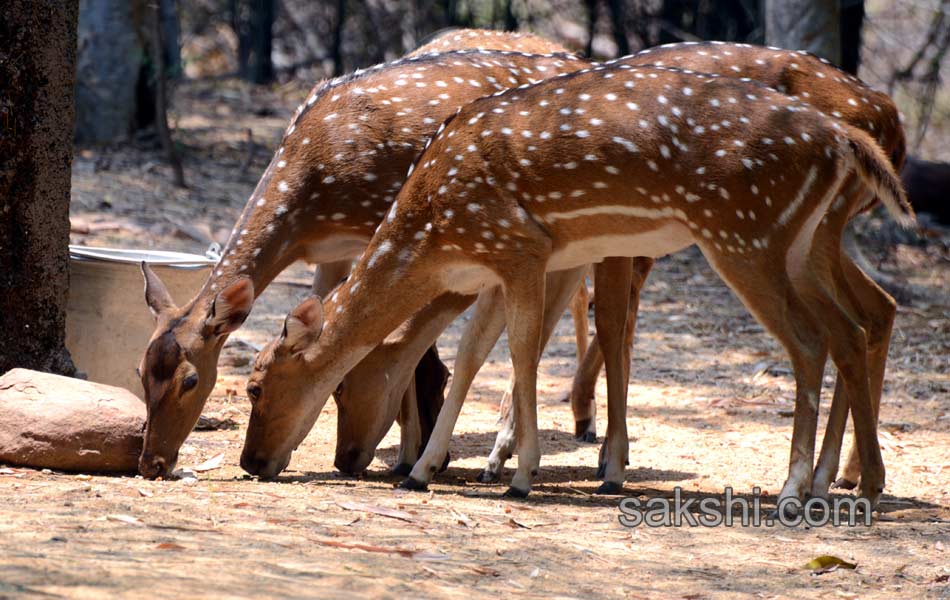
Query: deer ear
point(304, 323)
point(231, 306)
point(156, 294)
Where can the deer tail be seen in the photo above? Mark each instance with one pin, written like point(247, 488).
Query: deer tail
point(874, 168)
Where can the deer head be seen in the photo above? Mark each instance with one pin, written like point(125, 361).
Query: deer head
point(275, 388)
point(179, 368)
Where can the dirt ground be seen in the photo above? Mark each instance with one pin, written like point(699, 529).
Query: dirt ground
point(710, 406)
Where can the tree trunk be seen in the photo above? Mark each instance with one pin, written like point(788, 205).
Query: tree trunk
point(161, 97)
point(253, 24)
point(618, 20)
point(592, 15)
point(812, 25)
point(336, 47)
point(171, 34)
point(263, 15)
point(110, 61)
point(511, 20)
point(38, 71)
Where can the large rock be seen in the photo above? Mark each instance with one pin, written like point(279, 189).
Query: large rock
point(49, 421)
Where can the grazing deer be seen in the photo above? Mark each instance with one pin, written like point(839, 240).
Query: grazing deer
point(610, 161)
point(370, 392)
point(843, 96)
point(340, 164)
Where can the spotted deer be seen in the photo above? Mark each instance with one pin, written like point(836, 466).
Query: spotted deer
point(339, 165)
point(612, 161)
point(845, 97)
point(370, 393)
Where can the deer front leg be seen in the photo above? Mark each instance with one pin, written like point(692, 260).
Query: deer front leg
point(524, 319)
point(560, 289)
point(328, 275)
point(480, 335)
point(612, 279)
point(410, 431)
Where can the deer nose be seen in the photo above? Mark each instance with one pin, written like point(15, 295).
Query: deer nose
point(262, 466)
point(353, 461)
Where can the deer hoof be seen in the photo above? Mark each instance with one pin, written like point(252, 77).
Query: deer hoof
point(582, 431)
point(402, 469)
point(609, 488)
point(844, 484)
point(588, 437)
point(487, 476)
point(410, 483)
point(513, 492)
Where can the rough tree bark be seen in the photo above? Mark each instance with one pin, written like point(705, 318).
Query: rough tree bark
point(110, 60)
point(38, 71)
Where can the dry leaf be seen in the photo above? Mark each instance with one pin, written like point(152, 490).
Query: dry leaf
point(144, 493)
point(826, 563)
point(462, 519)
point(383, 550)
point(170, 546)
point(377, 510)
point(211, 464)
point(127, 519)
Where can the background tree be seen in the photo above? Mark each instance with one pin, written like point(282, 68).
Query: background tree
point(812, 25)
point(38, 70)
point(253, 23)
point(111, 56)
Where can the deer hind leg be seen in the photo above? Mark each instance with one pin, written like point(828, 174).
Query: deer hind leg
point(847, 343)
point(583, 402)
point(874, 310)
point(813, 267)
point(882, 306)
point(480, 335)
point(560, 288)
point(579, 305)
point(771, 297)
point(612, 279)
point(585, 379)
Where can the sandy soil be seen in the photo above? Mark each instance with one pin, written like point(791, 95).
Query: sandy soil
point(710, 406)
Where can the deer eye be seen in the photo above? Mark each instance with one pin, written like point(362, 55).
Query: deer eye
point(189, 383)
point(253, 392)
